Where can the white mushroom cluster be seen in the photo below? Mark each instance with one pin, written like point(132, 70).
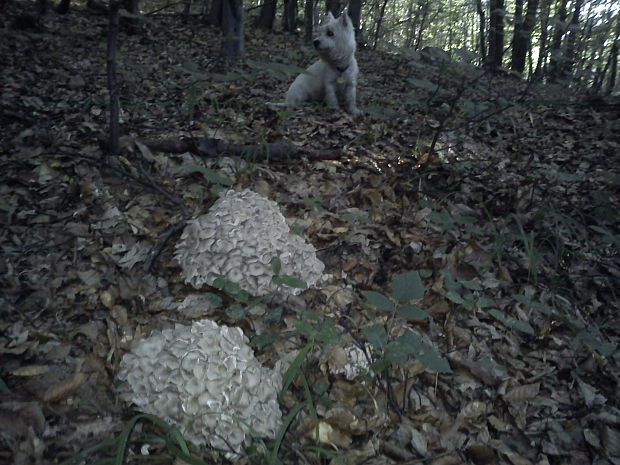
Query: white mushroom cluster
point(238, 238)
point(205, 380)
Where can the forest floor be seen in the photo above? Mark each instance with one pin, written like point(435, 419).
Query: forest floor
point(512, 220)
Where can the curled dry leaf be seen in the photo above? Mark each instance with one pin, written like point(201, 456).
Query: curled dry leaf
point(522, 393)
point(474, 368)
point(610, 438)
point(31, 370)
point(345, 420)
point(65, 387)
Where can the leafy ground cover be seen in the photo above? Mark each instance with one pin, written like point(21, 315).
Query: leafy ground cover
point(468, 223)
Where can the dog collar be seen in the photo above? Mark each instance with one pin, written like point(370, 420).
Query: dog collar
point(342, 70)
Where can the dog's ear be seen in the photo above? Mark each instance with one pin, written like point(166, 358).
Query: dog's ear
point(346, 21)
point(329, 16)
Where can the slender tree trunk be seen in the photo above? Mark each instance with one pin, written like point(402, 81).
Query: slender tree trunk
point(611, 63)
point(63, 7)
point(379, 21)
point(556, 42)
point(542, 44)
point(308, 20)
point(355, 13)
point(611, 82)
point(267, 15)
point(132, 6)
point(214, 18)
point(496, 33)
point(334, 6)
point(518, 20)
point(523, 37)
point(482, 38)
point(411, 24)
point(41, 7)
point(232, 30)
point(571, 41)
point(289, 17)
point(425, 8)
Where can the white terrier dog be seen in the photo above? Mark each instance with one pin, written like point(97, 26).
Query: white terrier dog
point(334, 76)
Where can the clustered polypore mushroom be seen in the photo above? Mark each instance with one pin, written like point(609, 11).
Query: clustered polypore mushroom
point(238, 238)
point(205, 380)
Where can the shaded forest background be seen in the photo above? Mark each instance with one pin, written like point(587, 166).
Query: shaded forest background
point(571, 41)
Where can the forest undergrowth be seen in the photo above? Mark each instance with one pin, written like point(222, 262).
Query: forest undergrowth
point(499, 194)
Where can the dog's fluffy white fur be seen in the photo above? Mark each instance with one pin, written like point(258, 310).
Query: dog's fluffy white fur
point(334, 76)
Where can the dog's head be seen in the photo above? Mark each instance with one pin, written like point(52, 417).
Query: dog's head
point(335, 41)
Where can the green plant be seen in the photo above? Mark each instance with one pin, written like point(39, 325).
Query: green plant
point(405, 288)
point(284, 279)
point(531, 251)
point(175, 445)
point(218, 181)
point(461, 291)
point(270, 452)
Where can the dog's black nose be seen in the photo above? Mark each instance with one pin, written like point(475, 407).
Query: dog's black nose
point(316, 43)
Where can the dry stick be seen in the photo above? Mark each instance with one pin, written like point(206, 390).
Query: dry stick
point(146, 181)
point(455, 100)
point(280, 152)
point(113, 146)
point(156, 251)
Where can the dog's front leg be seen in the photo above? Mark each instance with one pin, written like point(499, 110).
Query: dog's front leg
point(331, 100)
point(350, 92)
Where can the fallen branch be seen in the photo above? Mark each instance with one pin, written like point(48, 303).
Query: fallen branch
point(278, 152)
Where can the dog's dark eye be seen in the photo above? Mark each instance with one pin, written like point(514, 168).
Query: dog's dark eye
point(330, 33)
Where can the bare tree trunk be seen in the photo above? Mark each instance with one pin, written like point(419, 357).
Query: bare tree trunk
point(289, 17)
point(133, 7)
point(571, 41)
point(379, 21)
point(355, 13)
point(611, 65)
point(542, 48)
point(232, 30)
point(41, 7)
point(425, 9)
point(334, 6)
point(113, 145)
point(187, 9)
point(496, 33)
point(522, 40)
point(483, 43)
point(267, 15)
point(411, 23)
point(518, 20)
point(308, 20)
point(63, 7)
point(556, 43)
point(613, 56)
point(214, 18)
